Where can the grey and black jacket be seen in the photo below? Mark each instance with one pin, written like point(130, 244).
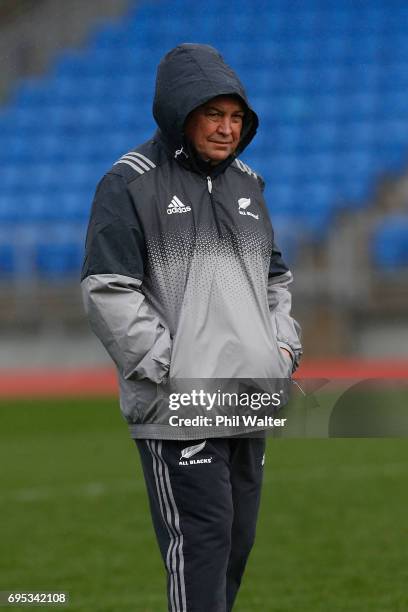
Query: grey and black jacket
point(182, 278)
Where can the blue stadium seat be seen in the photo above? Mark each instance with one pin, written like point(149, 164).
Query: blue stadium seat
point(281, 198)
point(113, 37)
point(280, 168)
point(288, 236)
point(318, 137)
point(7, 261)
point(71, 63)
point(389, 245)
point(33, 93)
point(47, 147)
point(39, 177)
point(393, 76)
point(353, 193)
point(73, 205)
point(38, 207)
point(56, 261)
point(12, 177)
point(11, 210)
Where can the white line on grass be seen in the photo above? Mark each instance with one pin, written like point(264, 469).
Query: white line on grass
point(94, 489)
point(89, 489)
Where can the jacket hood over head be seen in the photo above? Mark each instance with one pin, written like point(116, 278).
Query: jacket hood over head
point(187, 77)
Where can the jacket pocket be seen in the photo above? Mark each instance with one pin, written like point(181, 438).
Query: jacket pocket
point(138, 399)
point(156, 363)
point(162, 355)
point(284, 363)
point(287, 363)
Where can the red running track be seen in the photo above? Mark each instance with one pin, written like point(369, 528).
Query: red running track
point(30, 383)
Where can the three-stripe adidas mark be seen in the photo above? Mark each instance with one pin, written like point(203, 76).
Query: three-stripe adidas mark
point(137, 161)
point(245, 168)
point(177, 206)
point(171, 519)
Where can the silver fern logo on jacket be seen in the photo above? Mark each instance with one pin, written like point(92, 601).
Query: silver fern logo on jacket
point(243, 204)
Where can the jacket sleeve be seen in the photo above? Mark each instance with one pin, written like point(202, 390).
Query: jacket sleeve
point(112, 286)
point(288, 332)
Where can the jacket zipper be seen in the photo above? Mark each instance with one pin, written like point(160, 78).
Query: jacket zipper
point(209, 187)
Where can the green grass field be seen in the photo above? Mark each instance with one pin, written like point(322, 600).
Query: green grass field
point(332, 535)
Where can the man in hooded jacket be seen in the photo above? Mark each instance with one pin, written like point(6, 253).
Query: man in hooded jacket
point(182, 280)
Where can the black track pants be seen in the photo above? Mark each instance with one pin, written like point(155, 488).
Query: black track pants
point(204, 498)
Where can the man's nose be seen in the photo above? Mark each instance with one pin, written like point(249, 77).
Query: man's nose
point(225, 126)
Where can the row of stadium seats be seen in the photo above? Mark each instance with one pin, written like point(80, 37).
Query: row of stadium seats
point(55, 259)
point(328, 81)
point(45, 195)
point(54, 262)
point(93, 111)
point(58, 260)
point(314, 165)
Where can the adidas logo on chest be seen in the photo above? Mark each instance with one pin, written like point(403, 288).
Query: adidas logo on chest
point(177, 206)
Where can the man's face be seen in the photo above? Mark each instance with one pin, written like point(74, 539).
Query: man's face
point(215, 128)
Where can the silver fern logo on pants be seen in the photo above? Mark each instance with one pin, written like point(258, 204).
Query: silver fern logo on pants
point(190, 451)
